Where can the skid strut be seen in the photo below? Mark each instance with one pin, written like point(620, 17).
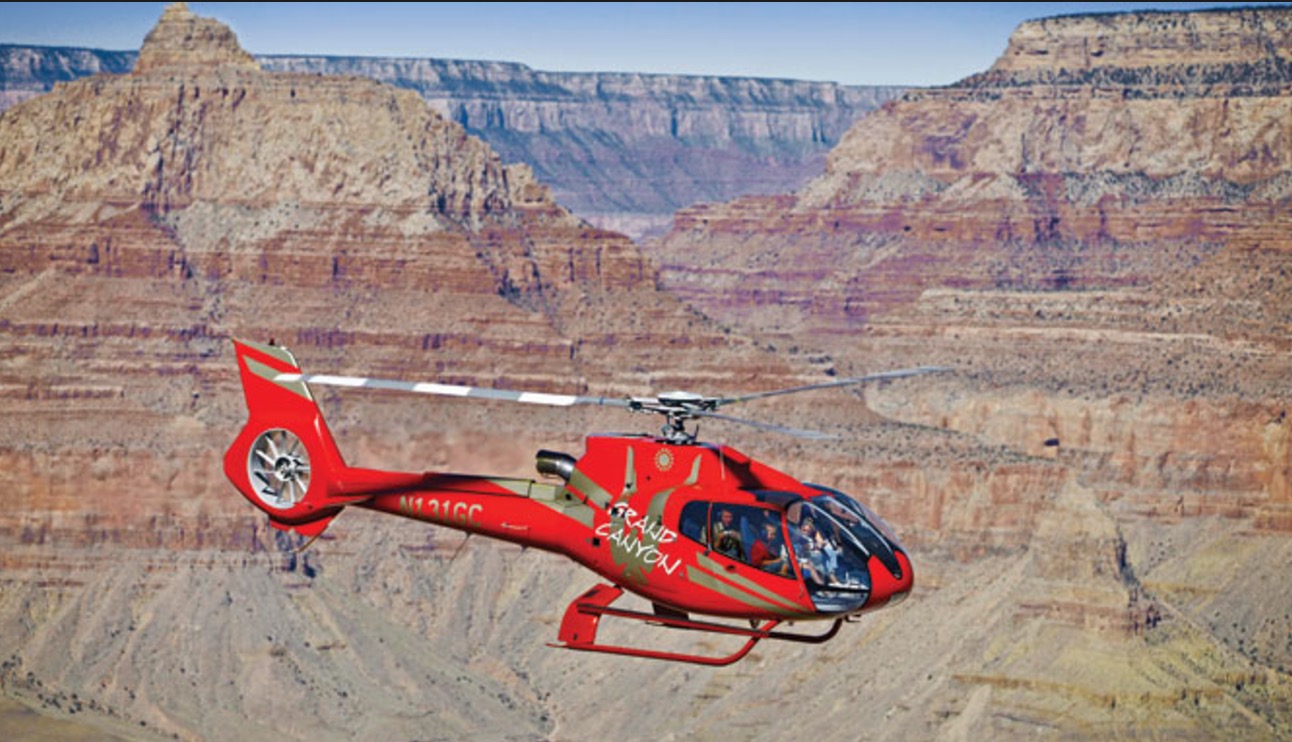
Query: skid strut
point(579, 629)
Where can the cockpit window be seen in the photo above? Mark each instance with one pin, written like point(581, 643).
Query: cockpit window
point(864, 525)
point(830, 555)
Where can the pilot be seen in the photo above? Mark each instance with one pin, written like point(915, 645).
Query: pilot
point(726, 535)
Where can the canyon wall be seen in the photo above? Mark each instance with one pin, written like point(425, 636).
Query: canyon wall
point(1094, 234)
point(1095, 497)
point(623, 151)
point(1111, 228)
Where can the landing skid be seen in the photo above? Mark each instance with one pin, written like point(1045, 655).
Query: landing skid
point(579, 629)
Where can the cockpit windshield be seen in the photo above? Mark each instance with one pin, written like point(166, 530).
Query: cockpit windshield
point(832, 540)
point(867, 527)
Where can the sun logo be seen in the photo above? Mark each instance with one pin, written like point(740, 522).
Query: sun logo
point(664, 460)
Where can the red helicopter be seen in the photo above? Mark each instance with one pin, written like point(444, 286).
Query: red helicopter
point(692, 527)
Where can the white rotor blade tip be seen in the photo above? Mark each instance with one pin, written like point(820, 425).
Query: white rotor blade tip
point(448, 390)
point(350, 381)
point(555, 400)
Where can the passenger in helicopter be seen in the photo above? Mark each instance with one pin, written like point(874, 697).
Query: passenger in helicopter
point(817, 556)
point(768, 552)
point(726, 535)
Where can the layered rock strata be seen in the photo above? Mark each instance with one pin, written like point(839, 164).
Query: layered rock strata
point(148, 218)
point(1094, 233)
point(1110, 229)
point(623, 151)
point(212, 200)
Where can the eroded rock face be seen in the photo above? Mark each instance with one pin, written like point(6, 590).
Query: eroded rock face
point(1145, 205)
point(187, 204)
point(1225, 48)
point(1094, 234)
point(182, 39)
point(604, 142)
point(205, 124)
point(146, 218)
point(1108, 173)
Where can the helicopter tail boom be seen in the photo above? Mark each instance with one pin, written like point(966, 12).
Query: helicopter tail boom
point(285, 461)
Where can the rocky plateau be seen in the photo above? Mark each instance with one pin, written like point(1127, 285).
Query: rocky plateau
point(1097, 499)
point(622, 151)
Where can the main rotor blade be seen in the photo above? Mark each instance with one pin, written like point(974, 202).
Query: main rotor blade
point(453, 390)
point(882, 376)
point(812, 435)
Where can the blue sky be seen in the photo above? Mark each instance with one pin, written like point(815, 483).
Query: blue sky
point(854, 43)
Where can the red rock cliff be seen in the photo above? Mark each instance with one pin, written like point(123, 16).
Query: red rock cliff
point(1094, 233)
point(188, 202)
point(146, 218)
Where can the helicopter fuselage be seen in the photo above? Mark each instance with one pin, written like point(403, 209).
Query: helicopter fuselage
point(642, 513)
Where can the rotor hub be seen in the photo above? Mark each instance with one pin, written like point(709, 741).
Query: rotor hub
point(289, 468)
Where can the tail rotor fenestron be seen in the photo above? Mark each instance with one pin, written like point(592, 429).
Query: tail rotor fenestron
point(278, 466)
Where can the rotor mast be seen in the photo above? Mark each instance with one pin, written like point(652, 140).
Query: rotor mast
point(677, 408)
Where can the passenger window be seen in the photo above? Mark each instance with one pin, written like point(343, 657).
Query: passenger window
point(751, 535)
point(694, 517)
